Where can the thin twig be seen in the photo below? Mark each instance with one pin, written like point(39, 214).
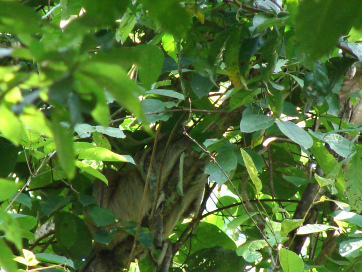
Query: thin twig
point(32, 176)
point(47, 15)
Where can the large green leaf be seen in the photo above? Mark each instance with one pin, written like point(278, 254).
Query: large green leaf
point(6, 258)
point(8, 188)
point(350, 248)
point(52, 258)
point(101, 216)
point(90, 170)
point(314, 228)
point(10, 226)
point(249, 250)
point(290, 261)
point(115, 80)
point(17, 19)
point(349, 217)
point(254, 122)
point(65, 229)
point(103, 154)
point(250, 167)
point(314, 30)
point(63, 138)
point(295, 133)
point(10, 126)
point(150, 61)
point(171, 16)
point(353, 184)
point(227, 162)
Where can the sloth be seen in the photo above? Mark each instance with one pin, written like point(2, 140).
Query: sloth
point(123, 196)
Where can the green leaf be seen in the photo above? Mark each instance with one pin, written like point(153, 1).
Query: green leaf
point(144, 237)
point(201, 85)
point(155, 105)
point(104, 237)
point(336, 142)
point(254, 122)
point(18, 19)
point(171, 16)
point(330, 183)
point(227, 161)
point(290, 261)
point(63, 138)
point(249, 250)
point(10, 126)
point(314, 228)
point(240, 220)
point(169, 45)
point(290, 224)
point(90, 170)
point(52, 258)
point(11, 228)
point(324, 159)
point(6, 258)
point(51, 204)
point(150, 61)
point(26, 222)
point(35, 119)
point(313, 24)
point(169, 93)
point(349, 217)
point(350, 248)
point(115, 80)
point(85, 130)
point(226, 201)
point(216, 259)
point(295, 133)
point(8, 162)
point(275, 101)
point(8, 188)
point(181, 175)
point(86, 200)
point(125, 27)
point(86, 84)
point(103, 154)
point(353, 183)
point(250, 167)
point(24, 199)
point(101, 216)
point(65, 229)
point(206, 236)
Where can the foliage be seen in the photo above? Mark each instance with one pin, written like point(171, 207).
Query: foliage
point(84, 84)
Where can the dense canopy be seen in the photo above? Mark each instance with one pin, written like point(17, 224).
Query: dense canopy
point(238, 120)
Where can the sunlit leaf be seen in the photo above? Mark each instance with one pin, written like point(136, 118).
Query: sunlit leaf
point(295, 133)
point(103, 154)
point(314, 228)
point(350, 248)
point(290, 261)
point(250, 167)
